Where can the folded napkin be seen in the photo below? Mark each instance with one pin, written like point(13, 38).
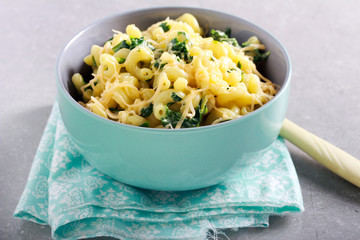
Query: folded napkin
point(77, 201)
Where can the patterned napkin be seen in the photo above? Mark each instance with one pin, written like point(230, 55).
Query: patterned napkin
point(77, 201)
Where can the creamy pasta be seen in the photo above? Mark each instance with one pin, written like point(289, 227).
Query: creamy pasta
point(173, 76)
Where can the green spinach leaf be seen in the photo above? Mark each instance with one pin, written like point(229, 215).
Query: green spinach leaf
point(220, 36)
point(165, 26)
point(175, 97)
point(145, 112)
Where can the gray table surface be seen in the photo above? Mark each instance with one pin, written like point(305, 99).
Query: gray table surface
point(322, 38)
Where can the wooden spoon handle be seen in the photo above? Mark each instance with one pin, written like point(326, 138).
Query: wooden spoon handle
point(335, 159)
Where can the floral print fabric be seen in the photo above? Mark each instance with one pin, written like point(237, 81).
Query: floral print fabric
point(77, 201)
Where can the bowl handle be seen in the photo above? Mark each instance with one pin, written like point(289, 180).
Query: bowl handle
point(335, 159)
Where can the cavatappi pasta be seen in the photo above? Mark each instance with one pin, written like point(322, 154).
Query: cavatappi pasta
point(172, 76)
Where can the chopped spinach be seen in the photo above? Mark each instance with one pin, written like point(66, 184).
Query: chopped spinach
point(259, 56)
point(179, 48)
point(190, 122)
point(87, 88)
point(239, 65)
point(120, 60)
point(231, 70)
point(228, 32)
point(233, 42)
point(145, 112)
point(182, 36)
point(134, 42)
point(152, 48)
point(93, 58)
point(140, 41)
point(200, 111)
point(114, 110)
point(90, 87)
point(145, 124)
point(165, 26)
point(121, 45)
point(220, 36)
point(158, 65)
point(175, 97)
point(245, 44)
point(173, 117)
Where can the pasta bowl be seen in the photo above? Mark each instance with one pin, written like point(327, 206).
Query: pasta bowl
point(171, 159)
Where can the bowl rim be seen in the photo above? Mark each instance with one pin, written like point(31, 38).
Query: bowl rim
point(69, 98)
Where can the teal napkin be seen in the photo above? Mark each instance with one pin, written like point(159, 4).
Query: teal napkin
point(77, 201)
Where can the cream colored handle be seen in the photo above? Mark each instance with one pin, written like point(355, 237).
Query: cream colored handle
point(335, 159)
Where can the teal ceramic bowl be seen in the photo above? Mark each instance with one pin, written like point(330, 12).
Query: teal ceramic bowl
point(164, 159)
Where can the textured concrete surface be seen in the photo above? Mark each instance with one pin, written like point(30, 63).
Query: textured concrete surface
point(322, 38)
